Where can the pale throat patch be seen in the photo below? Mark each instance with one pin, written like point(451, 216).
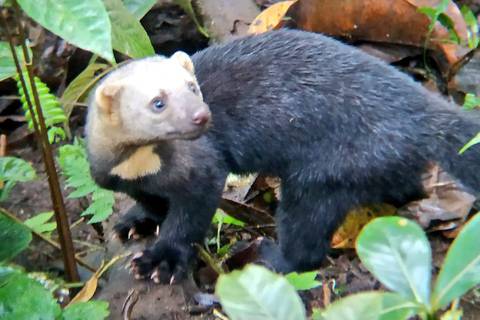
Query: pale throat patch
point(143, 162)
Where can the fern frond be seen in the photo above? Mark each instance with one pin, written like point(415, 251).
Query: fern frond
point(13, 170)
point(52, 111)
point(74, 164)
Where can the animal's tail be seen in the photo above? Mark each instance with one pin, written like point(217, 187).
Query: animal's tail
point(455, 133)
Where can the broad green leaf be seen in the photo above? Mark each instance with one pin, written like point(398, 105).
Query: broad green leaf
point(475, 140)
point(80, 85)
point(83, 23)
point(7, 66)
point(370, 306)
point(128, 35)
point(22, 298)
point(303, 281)
point(91, 310)
point(15, 235)
point(256, 293)
point(461, 269)
point(187, 7)
point(397, 252)
point(40, 223)
point(139, 7)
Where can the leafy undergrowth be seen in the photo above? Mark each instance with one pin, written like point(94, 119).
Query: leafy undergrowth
point(396, 251)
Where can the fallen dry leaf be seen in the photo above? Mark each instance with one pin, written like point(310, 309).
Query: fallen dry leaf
point(447, 199)
point(90, 286)
point(381, 21)
point(347, 233)
point(270, 17)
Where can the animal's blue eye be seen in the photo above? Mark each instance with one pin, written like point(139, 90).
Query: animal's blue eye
point(158, 104)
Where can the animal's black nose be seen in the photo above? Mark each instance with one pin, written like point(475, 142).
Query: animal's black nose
point(201, 118)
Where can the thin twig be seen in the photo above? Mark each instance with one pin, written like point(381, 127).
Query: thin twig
point(51, 242)
point(3, 145)
point(203, 254)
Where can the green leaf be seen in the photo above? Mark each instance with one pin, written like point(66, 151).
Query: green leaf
point(13, 170)
point(370, 306)
point(56, 134)
point(471, 101)
point(80, 85)
point(40, 223)
point(128, 35)
point(303, 281)
point(475, 140)
point(15, 235)
point(7, 66)
point(74, 164)
point(51, 109)
point(92, 310)
point(22, 298)
point(16, 169)
point(461, 269)
point(448, 23)
point(187, 7)
point(139, 7)
point(221, 217)
point(397, 252)
point(83, 23)
point(431, 13)
point(256, 293)
point(472, 27)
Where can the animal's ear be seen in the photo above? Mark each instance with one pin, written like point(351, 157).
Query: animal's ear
point(105, 95)
point(184, 60)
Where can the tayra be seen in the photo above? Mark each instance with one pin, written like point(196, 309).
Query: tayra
point(339, 127)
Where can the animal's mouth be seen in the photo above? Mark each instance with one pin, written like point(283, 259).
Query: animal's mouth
point(190, 134)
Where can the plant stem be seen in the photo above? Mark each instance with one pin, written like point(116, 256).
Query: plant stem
point(65, 237)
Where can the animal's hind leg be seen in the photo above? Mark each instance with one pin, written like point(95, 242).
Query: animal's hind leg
point(306, 220)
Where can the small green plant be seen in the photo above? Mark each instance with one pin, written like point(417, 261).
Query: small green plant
point(219, 219)
point(437, 14)
point(25, 296)
point(13, 170)
point(74, 164)
point(396, 251)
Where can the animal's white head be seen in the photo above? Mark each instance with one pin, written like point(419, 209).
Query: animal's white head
point(151, 100)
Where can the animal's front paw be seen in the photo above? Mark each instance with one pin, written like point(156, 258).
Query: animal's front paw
point(164, 263)
point(136, 224)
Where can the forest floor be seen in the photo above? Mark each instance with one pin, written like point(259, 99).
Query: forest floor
point(341, 274)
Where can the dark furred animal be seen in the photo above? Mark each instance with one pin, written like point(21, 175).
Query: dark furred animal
point(339, 127)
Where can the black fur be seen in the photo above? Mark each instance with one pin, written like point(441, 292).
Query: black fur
point(339, 127)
